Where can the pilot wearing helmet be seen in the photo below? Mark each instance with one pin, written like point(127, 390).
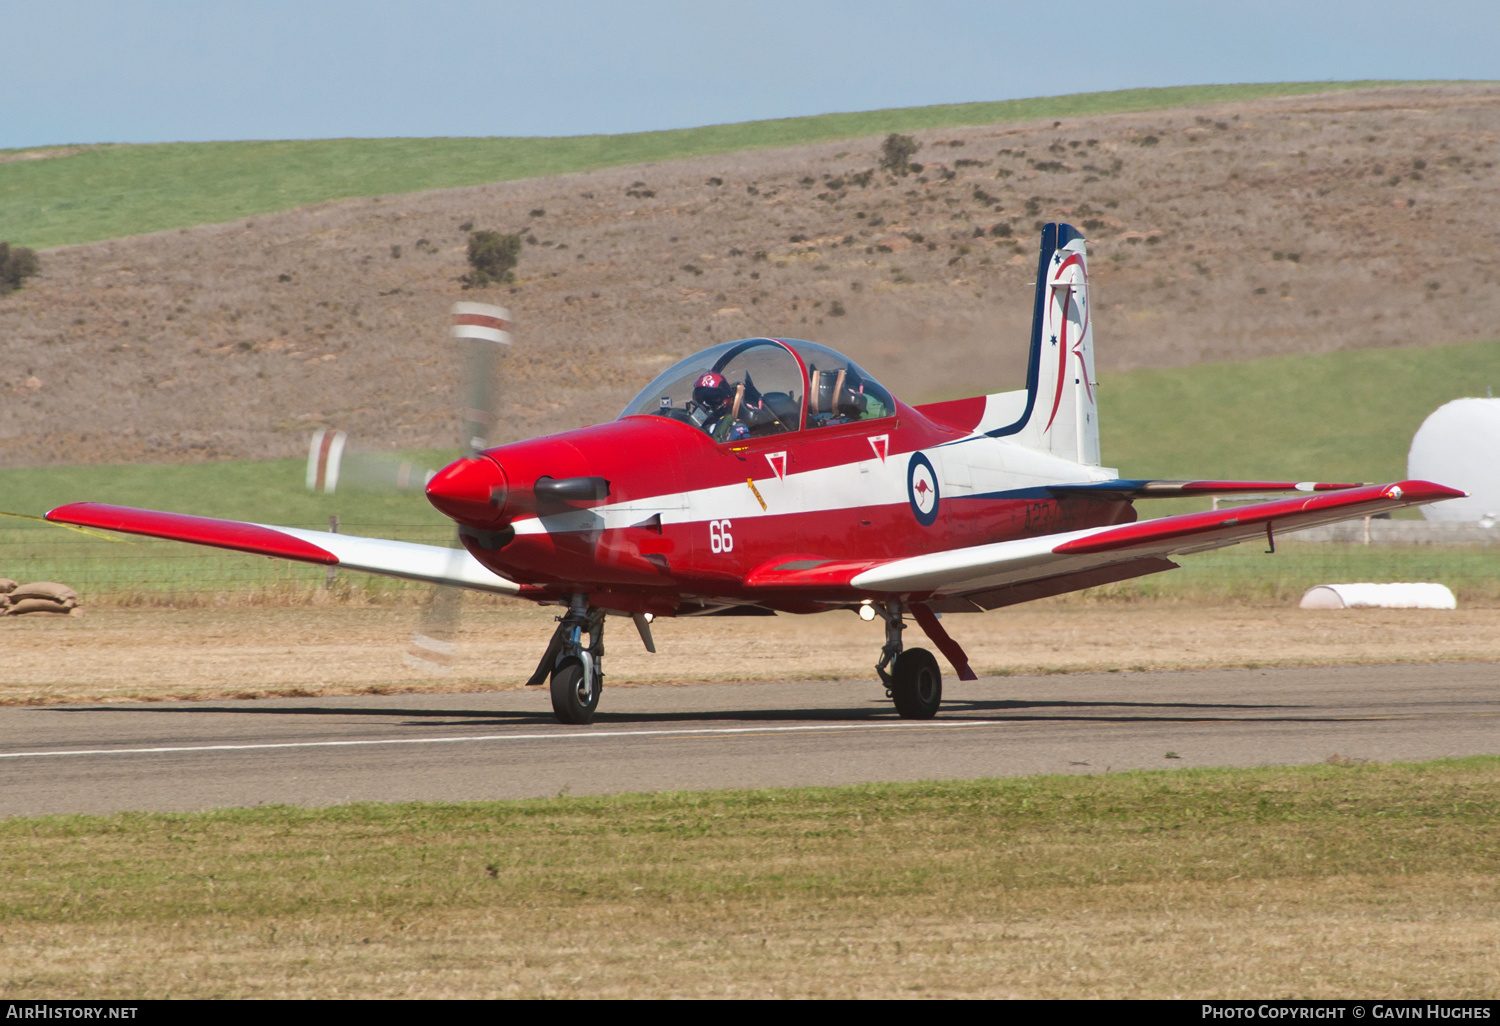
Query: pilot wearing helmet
point(717, 405)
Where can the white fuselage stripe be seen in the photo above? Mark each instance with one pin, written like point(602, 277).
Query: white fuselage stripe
point(974, 465)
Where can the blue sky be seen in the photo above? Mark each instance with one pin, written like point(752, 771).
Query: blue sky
point(127, 71)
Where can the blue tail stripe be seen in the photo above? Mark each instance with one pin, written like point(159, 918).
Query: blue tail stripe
point(1054, 237)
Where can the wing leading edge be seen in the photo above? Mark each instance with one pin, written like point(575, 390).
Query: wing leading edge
point(432, 564)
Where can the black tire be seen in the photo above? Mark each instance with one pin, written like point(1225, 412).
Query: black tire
point(570, 702)
point(916, 685)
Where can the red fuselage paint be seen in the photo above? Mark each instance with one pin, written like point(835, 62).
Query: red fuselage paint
point(676, 553)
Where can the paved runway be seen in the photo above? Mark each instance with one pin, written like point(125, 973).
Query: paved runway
point(185, 756)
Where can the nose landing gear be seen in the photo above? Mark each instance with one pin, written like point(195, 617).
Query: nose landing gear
point(574, 662)
point(911, 676)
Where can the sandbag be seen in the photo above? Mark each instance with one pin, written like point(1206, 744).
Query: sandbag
point(46, 590)
point(7, 585)
point(40, 605)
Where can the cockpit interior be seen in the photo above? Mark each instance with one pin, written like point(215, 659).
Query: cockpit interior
point(761, 386)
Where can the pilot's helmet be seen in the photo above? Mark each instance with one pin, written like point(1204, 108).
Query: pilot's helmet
point(712, 390)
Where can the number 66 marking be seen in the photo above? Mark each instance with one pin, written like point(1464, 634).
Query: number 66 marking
point(719, 539)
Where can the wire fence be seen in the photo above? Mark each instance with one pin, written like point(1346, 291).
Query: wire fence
point(128, 571)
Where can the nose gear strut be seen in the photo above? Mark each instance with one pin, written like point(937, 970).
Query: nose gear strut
point(891, 613)
point(574, 661)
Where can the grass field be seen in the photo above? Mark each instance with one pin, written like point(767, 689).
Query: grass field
point(101, 192)
point(1327, 417)
point(1263, 419)
point(1312, 882)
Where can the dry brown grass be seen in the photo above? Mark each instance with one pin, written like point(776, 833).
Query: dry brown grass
point(249, 651)
point(189, 345)
point(1409, 937)
point(1322, 882)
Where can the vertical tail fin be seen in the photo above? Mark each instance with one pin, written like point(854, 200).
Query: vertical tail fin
point(1062, 415)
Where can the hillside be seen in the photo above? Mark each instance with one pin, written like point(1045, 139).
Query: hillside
point(109, 191)
point(1232, 231)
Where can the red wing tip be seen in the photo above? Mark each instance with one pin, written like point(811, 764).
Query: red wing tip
point(1427, 491)
point(196, 530)
point(58, 515)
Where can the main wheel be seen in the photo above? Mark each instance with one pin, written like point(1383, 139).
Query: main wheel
point(916, 684)
point(573, 698)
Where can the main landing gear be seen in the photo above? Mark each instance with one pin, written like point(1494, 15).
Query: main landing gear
point(911, 675)
point(574, 662)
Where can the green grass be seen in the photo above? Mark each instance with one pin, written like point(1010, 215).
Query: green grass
point(110, 191)
point(271, 491)
point(1153, 825)
point(950, 887)
point(1328, 417)
point(124, 570)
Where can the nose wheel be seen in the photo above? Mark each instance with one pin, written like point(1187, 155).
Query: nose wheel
point(575, 692)
point(911, 675)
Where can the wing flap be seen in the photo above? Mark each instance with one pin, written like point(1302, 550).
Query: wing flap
point(433, 564)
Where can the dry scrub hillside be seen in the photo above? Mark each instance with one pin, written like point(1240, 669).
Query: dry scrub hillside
point(1218, 233)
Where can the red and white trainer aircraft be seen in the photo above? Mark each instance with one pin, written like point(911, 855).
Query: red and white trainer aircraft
point(776, 475)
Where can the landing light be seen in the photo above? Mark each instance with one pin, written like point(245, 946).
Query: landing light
point(866, 611)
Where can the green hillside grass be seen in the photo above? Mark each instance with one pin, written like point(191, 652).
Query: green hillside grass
point(1336, 416)
point(1329, 417)
point(104, 192)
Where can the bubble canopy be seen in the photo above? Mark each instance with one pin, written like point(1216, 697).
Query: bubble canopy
point(762, 386)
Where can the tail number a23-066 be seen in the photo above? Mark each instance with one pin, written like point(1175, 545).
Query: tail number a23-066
point(719, 538)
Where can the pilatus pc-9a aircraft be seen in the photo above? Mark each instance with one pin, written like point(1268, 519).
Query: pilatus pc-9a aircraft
point(775, 475)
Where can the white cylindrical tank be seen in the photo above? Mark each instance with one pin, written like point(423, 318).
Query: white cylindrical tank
point(1379, 596)
point(1458, 445)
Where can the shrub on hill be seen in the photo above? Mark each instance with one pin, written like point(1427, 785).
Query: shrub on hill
point(896, 153)
point(16, 265)
point(492, 257)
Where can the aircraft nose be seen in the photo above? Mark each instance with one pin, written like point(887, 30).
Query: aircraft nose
point(471, 491)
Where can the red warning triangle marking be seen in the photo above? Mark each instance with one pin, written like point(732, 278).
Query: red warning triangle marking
point(881, 444)
point(777, 460)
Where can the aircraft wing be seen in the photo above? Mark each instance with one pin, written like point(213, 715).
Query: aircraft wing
point(433, 564)
point(1004, 573)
